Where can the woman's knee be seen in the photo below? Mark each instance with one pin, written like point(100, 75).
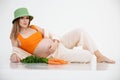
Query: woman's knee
point(79, 30)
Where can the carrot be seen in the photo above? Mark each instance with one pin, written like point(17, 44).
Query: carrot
point(53, 63)
point(63, 62)
point(56, 61)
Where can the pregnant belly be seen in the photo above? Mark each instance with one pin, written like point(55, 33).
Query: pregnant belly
point(42, 48)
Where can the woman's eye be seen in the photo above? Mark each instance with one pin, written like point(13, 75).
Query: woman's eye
point(24, 18)
point(21, 17)
point(27, 18)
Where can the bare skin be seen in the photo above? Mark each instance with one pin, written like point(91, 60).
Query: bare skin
point(14, 58)
point(101, 58)
point(43, 49)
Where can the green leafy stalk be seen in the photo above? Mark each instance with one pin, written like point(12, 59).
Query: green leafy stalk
point(34, 59)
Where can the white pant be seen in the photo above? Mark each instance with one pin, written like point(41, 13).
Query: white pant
point(75, 46)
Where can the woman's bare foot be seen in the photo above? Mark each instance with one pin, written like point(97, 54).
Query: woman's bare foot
point(102, 59)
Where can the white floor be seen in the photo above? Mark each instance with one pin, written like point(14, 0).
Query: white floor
point(72, 71)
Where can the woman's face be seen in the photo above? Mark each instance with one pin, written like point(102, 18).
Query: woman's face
point(24, 21)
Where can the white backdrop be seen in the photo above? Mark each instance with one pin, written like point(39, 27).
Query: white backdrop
point(100, 18)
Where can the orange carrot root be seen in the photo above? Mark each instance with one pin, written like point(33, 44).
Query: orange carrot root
point(55, 61)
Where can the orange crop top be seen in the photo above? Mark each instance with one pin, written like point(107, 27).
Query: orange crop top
point(31, 42)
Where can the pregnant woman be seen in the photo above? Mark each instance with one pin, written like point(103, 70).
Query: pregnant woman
point(26, 39)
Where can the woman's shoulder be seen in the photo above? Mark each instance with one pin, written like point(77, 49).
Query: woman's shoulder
point(33, 26)
point(36, 28)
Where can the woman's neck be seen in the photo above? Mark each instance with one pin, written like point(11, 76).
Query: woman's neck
point(24, 30)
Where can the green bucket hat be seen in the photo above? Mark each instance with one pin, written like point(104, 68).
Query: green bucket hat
point(21, 12)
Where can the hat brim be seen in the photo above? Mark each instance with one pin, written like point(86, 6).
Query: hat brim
point(31, 17)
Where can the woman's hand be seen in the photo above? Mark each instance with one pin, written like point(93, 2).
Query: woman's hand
point(53, 46)
point(14, 58)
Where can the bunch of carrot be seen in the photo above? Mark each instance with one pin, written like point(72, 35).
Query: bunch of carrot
point(52, 61)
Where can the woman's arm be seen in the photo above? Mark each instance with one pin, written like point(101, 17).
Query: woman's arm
point(17, 53)
point(14, 58)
